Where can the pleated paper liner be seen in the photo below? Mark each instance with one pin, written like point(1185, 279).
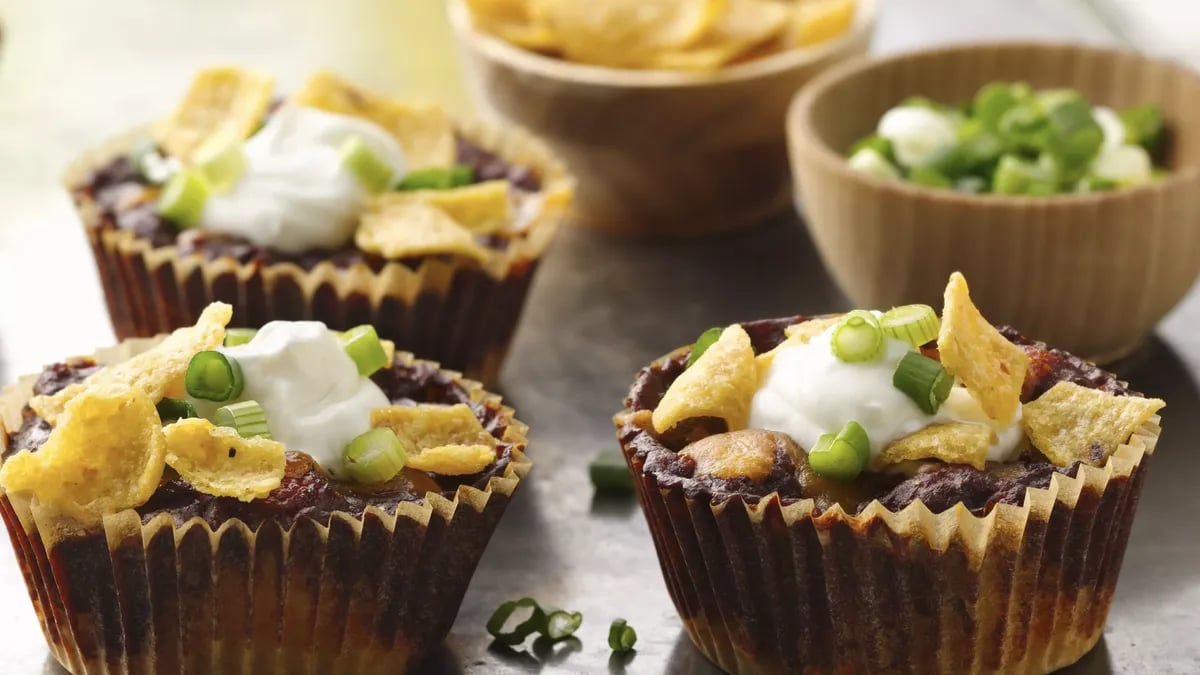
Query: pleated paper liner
point(769, 588)
point(358, 594)
point(448, 309)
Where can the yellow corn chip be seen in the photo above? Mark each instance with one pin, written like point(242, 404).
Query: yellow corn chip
point(219, 462)
point(155, 371)
point(817, 21)
point(991, 367)
point(746, 24)
point(224, 105)
point(797, 334)
point(453, 460)
point(106, 455)
point(750, 453)
point(520, 22)
point(482, 208)
point(415, 229)
point(428, 426)
point(1071, 422)
point(719, 384)
point(625, 32)
point(424, 132)
point(953, 443)
point(500, 10)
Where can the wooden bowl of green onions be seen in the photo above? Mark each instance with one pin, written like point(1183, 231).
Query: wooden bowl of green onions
point(1063, 180)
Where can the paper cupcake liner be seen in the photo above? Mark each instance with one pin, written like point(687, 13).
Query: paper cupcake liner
point(772, 588)
point(362, 593)
point(455, 311)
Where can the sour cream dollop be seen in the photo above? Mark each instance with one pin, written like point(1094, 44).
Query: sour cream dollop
point(310, 389)
point(296, 195)
point(808, 392)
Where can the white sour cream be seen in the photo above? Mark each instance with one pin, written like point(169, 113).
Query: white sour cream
point(808, 392)
point(919, 136)
point(314, 398)
point(295, 194)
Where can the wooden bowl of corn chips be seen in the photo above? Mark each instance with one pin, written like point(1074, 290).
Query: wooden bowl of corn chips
point(1089, 273)
point(673, 122)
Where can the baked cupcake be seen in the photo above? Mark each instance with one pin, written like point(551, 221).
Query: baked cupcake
point(876, 492)
point(337, 205)
point(293, 501)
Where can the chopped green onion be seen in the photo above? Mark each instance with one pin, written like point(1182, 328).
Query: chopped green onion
point(970, 185)
point(246, 417)
point(437, 178)
point(374, 456)
point(995, 99)
point(370, 169)
point(915, 324)
point(562, 624)
point(877, 143)
point(1075, 137)
point(858, 338)
point(174, 409)
point(183, 197)
point(706, 340)
point(1143, 125)
point(1016, 176)
point(222, 169)
point(1089, 184)
point(212, 376)
point(929, 177)
point(239, 336)
point(535, 622)
point(924, 380)
point(363, 345)
point(609, 473)
point(621, 636)
point(841, 456)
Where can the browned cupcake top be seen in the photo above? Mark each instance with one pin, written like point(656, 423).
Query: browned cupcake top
point(704, 432)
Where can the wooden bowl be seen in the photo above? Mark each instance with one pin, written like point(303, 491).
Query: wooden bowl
point(657, 152)
point(1089, 273)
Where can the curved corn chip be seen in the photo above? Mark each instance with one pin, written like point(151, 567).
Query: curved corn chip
point(482, 208)
point(992, 368)
point(746, 24)
point(500, 10)
point(219, 462)
point(426, 426)
point(817, 21)
point(626, 32)
point(521, 22)
point(224, 105)
point(453, 460)
point(424, 132)
point(106, 454)
point(749, 453)
point(719, 384)
point(155, 371)
point(953, 443)
point(413, 229)
point(1071, 422)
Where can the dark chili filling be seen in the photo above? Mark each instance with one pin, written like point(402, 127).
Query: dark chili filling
point(940, 486)
point(306, 491)
point(120, 194)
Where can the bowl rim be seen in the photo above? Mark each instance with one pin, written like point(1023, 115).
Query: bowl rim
point(800, 129)
point(865, 17)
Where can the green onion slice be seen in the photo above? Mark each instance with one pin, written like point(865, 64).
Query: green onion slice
point(535, 622)
point(222, 169)
point(437, 178)
point(562, 624)
point(212, 376)
point(706, 340)
point(621, 636)
point(370, 169)
point(915, 324)
point(239, 336)
point(374, 456)
point(183, 197)
point(363, 345)
point(246, 417)
point(609, 473)
point(841, 456)
point(858, 338)
point(924, 380)
point(174, 409)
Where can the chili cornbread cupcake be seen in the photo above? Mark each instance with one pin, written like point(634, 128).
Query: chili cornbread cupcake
point(880, 492)
point(295, 500)
point(336, 204)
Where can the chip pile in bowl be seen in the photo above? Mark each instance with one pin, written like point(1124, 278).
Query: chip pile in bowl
point(693, 35)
